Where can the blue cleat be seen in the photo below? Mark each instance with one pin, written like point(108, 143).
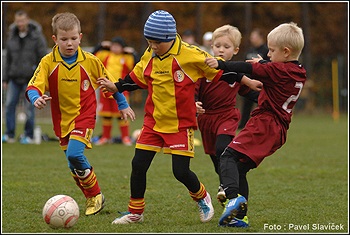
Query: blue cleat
point(232, 208)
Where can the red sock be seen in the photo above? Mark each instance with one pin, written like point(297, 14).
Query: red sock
point(90, 184)
point(106, 128)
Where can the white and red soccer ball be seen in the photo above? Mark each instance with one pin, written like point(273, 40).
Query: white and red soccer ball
point(61, 211)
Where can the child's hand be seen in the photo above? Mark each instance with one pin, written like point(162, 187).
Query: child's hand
point(211, 62)
point(40, 103)
point(255, 85)
point(255, 59)
point(128, 112)
point(106, 84)
point(199, 107)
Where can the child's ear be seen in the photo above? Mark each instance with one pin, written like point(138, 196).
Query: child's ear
point(236, 50)
point(54, 38)
point(286, 51)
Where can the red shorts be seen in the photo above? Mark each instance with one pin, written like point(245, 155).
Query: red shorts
point(212, 125)
point(82, 135)
point(262, 136)
point(180, 143)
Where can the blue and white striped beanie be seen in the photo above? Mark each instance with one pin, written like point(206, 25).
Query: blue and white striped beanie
point(160, 26)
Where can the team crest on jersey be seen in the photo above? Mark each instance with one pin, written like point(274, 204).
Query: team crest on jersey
point(179, 76)
point(85, 85)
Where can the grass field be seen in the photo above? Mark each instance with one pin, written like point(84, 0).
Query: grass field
point(302, 188)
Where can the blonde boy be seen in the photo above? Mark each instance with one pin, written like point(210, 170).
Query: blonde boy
point(70, 75)
point(266, 131)
point(218, 117)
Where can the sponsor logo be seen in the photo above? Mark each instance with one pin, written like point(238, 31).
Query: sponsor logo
point(69, 80)
point(161, 72)
point(177, 146)
point(78, 132)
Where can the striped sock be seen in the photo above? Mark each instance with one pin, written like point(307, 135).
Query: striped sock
point(200, 194)
point(136, 205)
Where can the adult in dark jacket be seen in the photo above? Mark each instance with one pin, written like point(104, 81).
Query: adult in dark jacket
point(258, 47)
point(25, 46)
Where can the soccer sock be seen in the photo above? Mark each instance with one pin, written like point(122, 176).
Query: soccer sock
point(106, 128)
point(136, 205)
point(89, 182)
point(77, 181)
point(200, 194)
point(124, 128)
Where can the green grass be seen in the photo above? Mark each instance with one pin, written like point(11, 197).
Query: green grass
point(302, 185)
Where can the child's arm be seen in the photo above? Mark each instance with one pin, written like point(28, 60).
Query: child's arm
point(38, 101)
point(199, 107)
point(123, 106)
point(255, 85)
point(235, 67)
point(229, 66)
point(126, 84)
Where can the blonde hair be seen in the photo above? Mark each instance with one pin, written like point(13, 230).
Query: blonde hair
point(288, 35)
point(231, 32)
point(65, 21)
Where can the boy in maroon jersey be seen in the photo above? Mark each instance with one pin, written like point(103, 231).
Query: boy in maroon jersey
point(266, 131)
point(218, 117)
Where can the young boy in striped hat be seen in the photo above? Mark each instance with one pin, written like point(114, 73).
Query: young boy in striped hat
point(168, 69)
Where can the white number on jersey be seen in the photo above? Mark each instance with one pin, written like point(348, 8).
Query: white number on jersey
point(298, 85)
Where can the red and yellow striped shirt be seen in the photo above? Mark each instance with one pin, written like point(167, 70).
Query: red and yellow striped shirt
point(170, 80)
point(72, 88)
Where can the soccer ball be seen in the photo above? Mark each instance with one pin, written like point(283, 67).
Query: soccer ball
point(61, 211)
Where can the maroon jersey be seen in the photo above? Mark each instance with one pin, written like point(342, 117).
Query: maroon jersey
point(266, 130)
point(218, 96)
point(283, 83)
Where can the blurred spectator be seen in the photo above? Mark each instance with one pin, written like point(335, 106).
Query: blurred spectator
point(206, 42)
point(25, 46)
point(119, 60)
point(257, 46)
point(189, 37)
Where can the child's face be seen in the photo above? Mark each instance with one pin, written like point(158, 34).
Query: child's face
point(224, 48)
point(67, 41)
point(276, 53)
point(160, 48)
point(116, 48)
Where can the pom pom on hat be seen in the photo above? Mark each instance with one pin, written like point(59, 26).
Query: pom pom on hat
point(160, 26)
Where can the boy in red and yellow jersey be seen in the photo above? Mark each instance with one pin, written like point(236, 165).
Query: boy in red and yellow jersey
point(168, 69)
point(119, 63)
point(70, 75)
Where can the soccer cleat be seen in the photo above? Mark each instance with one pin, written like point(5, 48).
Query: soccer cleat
point(26, 140)
point(103, 141)
point(241, 223)
point(7, 139)
point(94, 204)
point(232, 207)
point(221, 196)
point(128, 218)
point(127, 141)
point(206, 209)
